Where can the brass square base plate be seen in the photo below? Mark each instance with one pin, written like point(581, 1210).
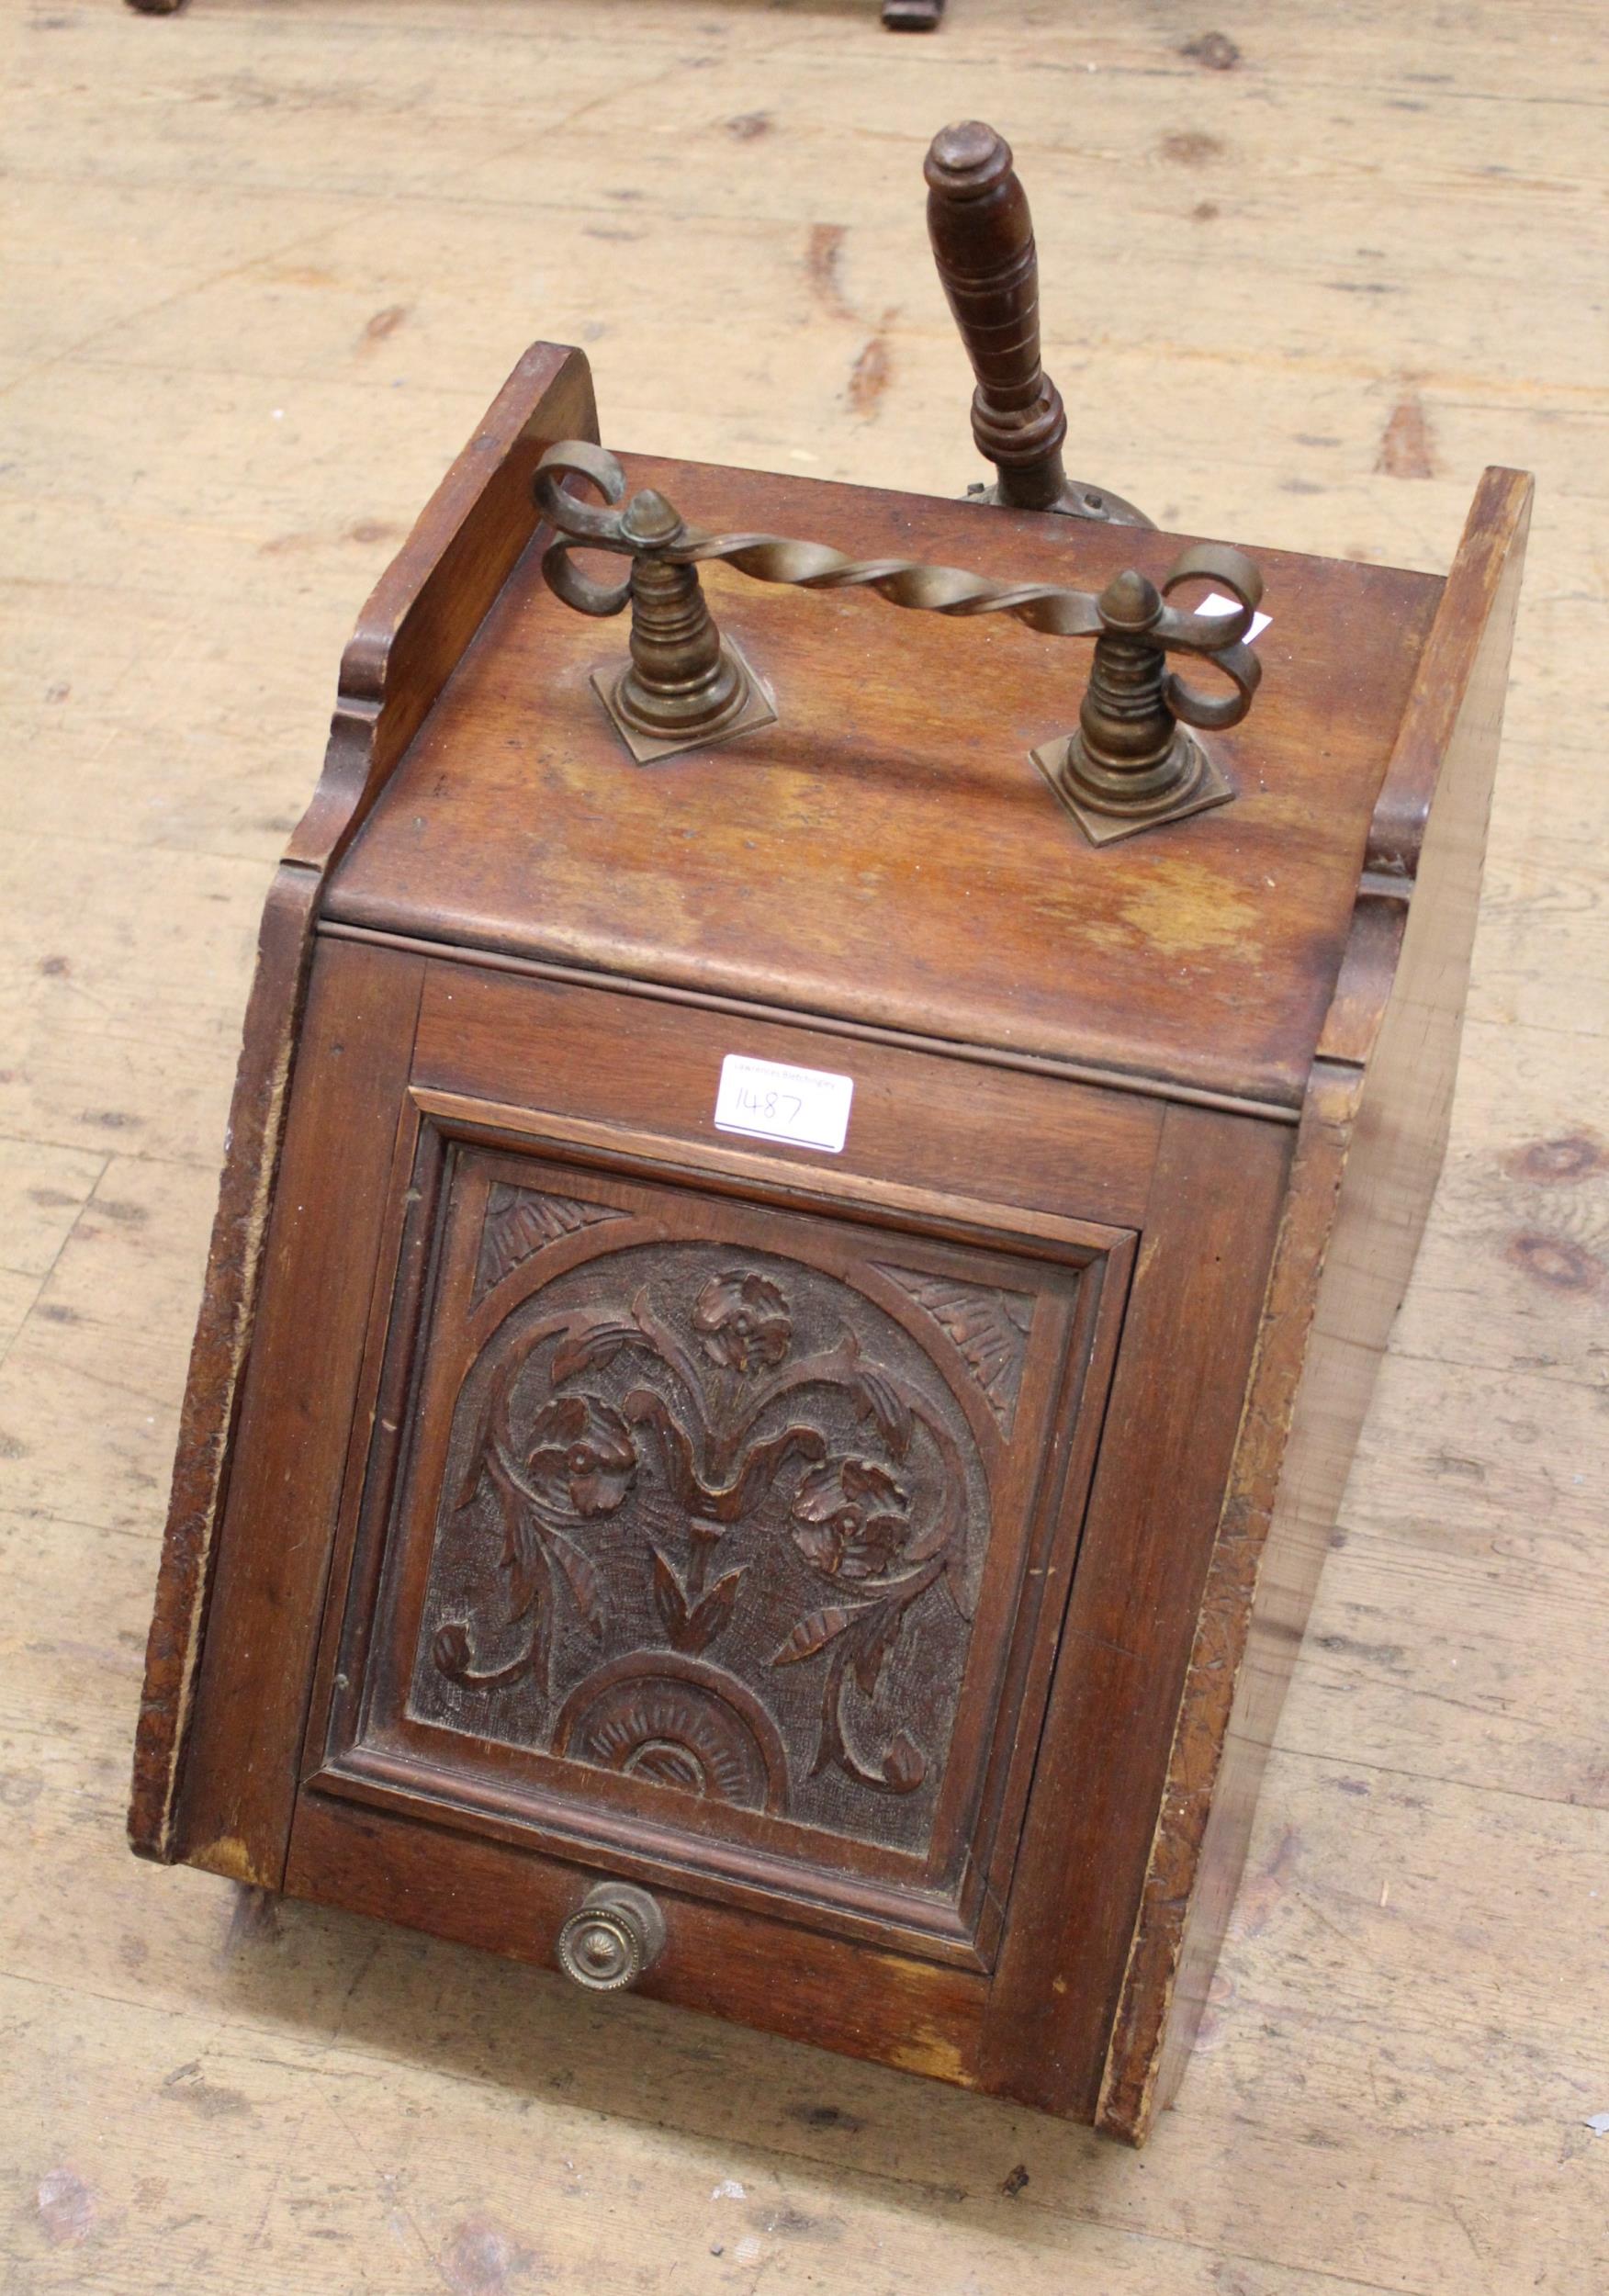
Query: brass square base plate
point(759, 709)
point(1209, 788)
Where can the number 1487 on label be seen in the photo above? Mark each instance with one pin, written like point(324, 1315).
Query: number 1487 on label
point(770, 1100)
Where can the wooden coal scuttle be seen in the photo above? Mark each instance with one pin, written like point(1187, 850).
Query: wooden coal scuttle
point(811, 1205)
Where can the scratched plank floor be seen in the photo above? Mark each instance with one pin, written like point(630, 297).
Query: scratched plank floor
point(265, 265)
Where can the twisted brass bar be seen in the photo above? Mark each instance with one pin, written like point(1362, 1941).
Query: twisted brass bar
point(903, 581)
point(1130, 764)
point(1048, 607)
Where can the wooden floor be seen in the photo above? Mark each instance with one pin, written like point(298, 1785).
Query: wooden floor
point(266, 263)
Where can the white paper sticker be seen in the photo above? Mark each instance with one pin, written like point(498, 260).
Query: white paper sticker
point(768, 1100)
point(1216, 602)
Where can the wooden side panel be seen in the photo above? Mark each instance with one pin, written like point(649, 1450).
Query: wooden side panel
point(279, 1525)
point(1200, 1774)
point(1370, 1148)
point(423, 614)
point(436, 592)
point(218, 1356)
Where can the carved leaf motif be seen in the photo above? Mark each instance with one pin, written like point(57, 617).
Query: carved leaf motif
point(931, 1540)
point(708, 1617)
point(521, 1221)
point(520, 1547)
point(813, 1633)
point(670, 1597)
point(453, 1658)
point(693, 1627)
point(592, 1349)
point(451, 1650)
point(989, 1329)
point(644, 1407)
point(872, 1655)
point(888, 1407)
point(582, 1581)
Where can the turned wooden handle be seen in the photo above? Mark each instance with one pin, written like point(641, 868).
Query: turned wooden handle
point(982, 243)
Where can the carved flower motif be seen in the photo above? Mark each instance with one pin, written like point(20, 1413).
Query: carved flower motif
point(581, 1460)
point(849, 1519)
point(742, 1321)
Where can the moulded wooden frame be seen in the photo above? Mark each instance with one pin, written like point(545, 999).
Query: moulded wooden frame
point(952, 1902)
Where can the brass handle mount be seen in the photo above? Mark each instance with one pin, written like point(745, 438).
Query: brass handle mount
point(1130, 764)
point(615, 1934)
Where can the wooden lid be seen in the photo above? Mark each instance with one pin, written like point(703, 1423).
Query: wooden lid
point(887, 854)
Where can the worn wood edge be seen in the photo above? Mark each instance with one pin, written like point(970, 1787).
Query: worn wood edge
point(1126, 2102)
point(293, 1444)
point(1155, 2028)
point(879, 2005)
point(1496, 525)
point(446, 550)
point(217, 1355)
point(1497, 520)
point(427, 607)
point(367, 661)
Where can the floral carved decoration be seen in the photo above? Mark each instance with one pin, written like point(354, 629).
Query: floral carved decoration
point(722, 1436)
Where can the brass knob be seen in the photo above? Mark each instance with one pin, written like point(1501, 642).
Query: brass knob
point(613, 1936)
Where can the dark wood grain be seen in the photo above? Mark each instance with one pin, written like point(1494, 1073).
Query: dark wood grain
point(735, 1473)
point(982, 237)
point(834, 1542)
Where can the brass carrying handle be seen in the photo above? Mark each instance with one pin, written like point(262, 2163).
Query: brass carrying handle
point(1130, 758)
point(1129, 605)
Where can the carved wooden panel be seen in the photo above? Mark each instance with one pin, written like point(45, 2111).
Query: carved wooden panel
point(713, 1519)
point(714, 1516)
